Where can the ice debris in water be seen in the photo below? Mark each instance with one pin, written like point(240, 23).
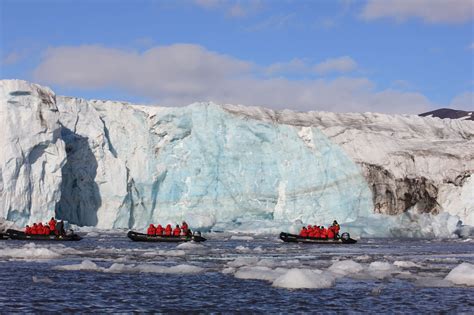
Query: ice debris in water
point(41, 279)
point(462, 274)
point(29, 251)
point(406, 264)
point(345, 267)
point(304, 279)
point(88, 265)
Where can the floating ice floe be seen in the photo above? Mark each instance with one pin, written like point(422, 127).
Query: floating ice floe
point(462, 274)
point(88, 265)
point(29, 252)
point(304, 279)
point(345, 267)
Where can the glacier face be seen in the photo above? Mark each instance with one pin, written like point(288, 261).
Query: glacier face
point(126, 165)
point(32, 153)
point(204, 164)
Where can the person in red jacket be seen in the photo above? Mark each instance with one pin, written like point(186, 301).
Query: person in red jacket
point(34, 229)
point(317, 232)
point(151, 230)
point(46, 229)
point(331, 234)
point(39, 229)
point(168, 230)
point(52, 224)
point(304, 232)
point(176, 231)
point(27, 229)
point(159, 230)
point(324, 233)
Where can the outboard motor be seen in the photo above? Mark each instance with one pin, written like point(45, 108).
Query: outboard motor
point(345, 236)
point(197, 233)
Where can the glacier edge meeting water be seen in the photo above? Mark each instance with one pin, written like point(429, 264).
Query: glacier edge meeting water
point(229, 167)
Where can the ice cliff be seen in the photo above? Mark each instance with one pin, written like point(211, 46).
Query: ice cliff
point(111, 164)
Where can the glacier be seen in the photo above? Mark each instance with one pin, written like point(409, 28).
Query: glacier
point(118, 165)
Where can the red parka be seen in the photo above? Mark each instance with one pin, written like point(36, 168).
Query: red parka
point(159, 230)
point(151, 230)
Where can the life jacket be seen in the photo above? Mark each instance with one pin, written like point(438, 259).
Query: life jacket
point(324, 233)
point(27, 230)
point(46, 230)
point(310, 232)
point(39, 229)
point(159, 230)
point(304, 232)
point(317, 232)
point(336, 228)
point(176, 231)
point(34, 229)
point(184, 226)
point(52, 225)
point(151, 230)
point(168, 230)
point(331, 233)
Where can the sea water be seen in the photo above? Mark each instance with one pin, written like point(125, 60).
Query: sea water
point(106, 272)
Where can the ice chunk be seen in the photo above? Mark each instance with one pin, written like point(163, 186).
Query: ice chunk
point(190, 246)
point(243, 261)
point(345, 267)
point(406, 264)
point(84, 265)
point(29, 252)
point(258, 273)
point(462, 274)
point(41, 279)
point(241, 237)
point(304, 279)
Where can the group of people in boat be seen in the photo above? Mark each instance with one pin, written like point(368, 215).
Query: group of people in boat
point(168, 230)
point(320, 232)
point(53, 227)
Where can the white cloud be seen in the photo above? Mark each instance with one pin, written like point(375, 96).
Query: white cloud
point(430, 11)
point(341, 64)
point(232, 8)
point(463, 101)
point(180, 74)
point(12, 58)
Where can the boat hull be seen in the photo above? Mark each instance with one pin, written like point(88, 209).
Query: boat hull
point(140, 237)
point(21, 236)
point(291, 238)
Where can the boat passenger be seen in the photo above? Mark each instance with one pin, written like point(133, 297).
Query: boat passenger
point(176, 231)
point(317, 232)
point(336, 227)
point(46, 229)
point(27, 229)
point(39, 229)
point(324, 232)
point(34, 229)
point(159, 230)
point(304, 232)
point(330, 233)
point(60, 228)
point(52, 224)
point(151, 230)
point(168, 230)
point(184, 225)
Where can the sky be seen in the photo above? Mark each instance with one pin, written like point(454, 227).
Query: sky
point(388, 56)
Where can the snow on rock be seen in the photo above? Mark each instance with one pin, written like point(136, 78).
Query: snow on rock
point(32, 153)
point(462, 274)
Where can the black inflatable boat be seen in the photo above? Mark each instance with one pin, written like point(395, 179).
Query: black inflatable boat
point(19, 235)
point(291, 238)
point(140, 237)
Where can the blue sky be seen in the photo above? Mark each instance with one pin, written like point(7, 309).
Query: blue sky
point(393, 56)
